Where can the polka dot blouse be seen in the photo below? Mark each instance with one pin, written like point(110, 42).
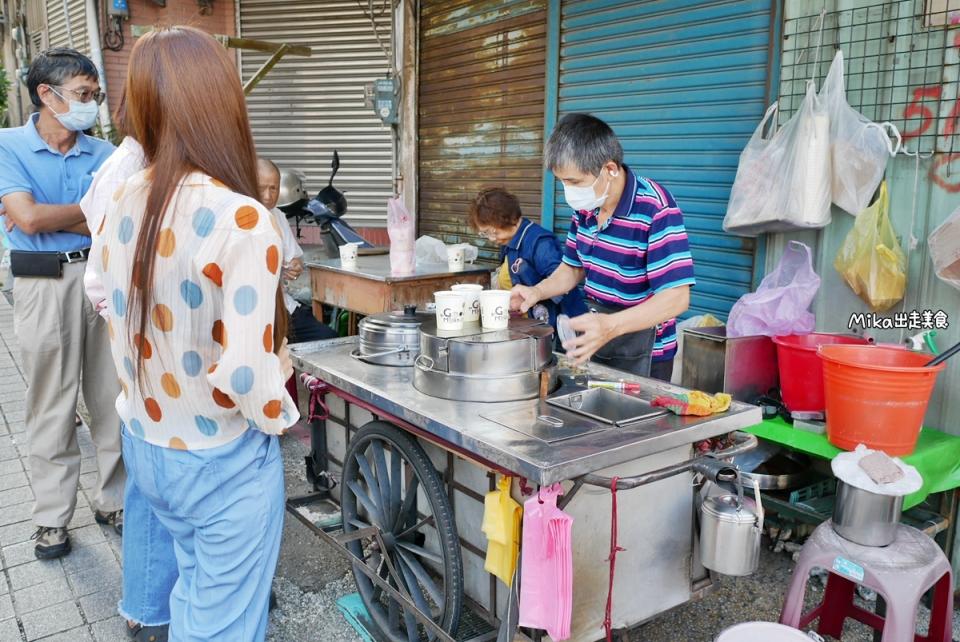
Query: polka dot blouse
point(209, 368)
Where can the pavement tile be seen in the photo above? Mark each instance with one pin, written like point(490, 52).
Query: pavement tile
point(81, 634)
point(18, 554)
point(88, 481)
point(95, 579)
point(54, 619)
point(111, 630)
point(82, 516)
point(9, 631)
point(6, 607)
point(82, 559)
point(88, 465)
point(17, 513)
point(10, 467)
point(9, 452)
point(13, 406)
point(15, 496)
point(15, 417)
point(38, 572)
point(86, 536)
point(16, 533)
point(43, 595)
point(14, 480)
point(101, 605)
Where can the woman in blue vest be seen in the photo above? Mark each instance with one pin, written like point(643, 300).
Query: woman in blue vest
point(528, 252)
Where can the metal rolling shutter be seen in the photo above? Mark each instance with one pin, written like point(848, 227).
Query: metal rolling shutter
point(684, 84)
point(67, 28)
point(307, 107)
point(480, 108)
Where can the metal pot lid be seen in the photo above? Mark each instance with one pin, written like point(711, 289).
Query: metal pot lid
point(726, 508)
point(406, 318)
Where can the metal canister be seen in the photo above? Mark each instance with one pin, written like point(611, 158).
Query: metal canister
point(866, 518)
point(730, 534)
point(391, 339)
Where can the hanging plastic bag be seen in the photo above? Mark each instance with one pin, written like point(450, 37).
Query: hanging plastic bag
point(871, 261)
point(501, 525)
point(944, 245)
point(402, 230)
point(781, 305)
point(783, 179)
point(859, 148)
point(546, 569)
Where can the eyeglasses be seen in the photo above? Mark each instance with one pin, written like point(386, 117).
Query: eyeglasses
point(83, 95)
point(490, 235)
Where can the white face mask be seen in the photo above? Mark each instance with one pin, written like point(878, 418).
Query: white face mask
point(584, 198)
point(80, 116)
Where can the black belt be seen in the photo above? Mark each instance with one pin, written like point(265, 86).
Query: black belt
point(44, 264)
point(604, 308)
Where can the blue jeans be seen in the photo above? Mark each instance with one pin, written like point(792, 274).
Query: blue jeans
point(224, 508)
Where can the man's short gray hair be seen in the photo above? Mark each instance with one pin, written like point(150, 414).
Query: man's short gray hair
point(582, 141)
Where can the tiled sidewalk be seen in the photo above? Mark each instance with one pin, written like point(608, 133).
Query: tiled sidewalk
point(72, 599)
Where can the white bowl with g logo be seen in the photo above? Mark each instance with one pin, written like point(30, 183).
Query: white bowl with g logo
point(449, 310)
point(495, 309)
point(471, 299)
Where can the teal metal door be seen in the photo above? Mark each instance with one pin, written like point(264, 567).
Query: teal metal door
point(683, 83)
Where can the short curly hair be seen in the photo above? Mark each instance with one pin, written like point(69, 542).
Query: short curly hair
point(495, 207)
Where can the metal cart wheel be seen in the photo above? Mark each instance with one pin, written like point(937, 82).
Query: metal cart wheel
point(389, 483)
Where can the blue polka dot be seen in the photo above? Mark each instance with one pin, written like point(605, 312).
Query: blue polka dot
point(203, 220)
point(119, 303)
point(242, 380)
point(192, 294)
point(125, 233)
point(136, 428)
point(206, 425)
point(245, 300)
point(192, 363)
point(128, 366)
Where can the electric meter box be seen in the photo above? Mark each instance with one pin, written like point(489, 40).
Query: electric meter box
point(381, 95)
point(118, 8)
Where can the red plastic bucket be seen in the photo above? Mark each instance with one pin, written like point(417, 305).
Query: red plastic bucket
point(876, 396)
point(801, 371)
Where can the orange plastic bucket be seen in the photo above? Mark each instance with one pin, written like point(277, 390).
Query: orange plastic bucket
point(876, 396)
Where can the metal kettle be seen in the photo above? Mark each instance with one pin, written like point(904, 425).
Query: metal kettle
point(730, 532)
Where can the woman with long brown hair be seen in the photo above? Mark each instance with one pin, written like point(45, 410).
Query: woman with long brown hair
point(190, 262)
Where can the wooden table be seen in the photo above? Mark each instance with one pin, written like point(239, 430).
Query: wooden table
point(370, 288)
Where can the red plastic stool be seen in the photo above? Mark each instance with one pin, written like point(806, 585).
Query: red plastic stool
point(901, 573)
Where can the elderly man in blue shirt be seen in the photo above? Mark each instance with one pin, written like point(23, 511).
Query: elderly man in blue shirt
point(45, 168)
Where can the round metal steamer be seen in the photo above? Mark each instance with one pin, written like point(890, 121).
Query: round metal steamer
point(477, 365)
point(391, 339)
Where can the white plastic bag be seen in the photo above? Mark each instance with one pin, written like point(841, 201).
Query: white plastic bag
point(401, 227)
point(781, 305)
point(859, 147)
point(783, 180)
point(433, 250)
point(944, 245)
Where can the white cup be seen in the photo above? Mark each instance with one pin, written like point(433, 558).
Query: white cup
point(495, 309)
point(449, 310)
point(471, 300)
point(456, 256)
point(348, 254)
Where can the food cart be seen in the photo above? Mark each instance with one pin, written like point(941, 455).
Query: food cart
point(408, 463)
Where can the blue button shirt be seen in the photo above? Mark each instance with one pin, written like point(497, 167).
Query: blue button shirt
point(28, 164)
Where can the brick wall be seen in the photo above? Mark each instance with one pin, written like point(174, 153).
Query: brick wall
point(144, 13)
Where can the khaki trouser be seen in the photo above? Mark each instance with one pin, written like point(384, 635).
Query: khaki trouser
point(62, 336)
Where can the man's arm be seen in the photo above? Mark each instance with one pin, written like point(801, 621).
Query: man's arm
point(79, 228)
point(33, 218)
point(563, 279)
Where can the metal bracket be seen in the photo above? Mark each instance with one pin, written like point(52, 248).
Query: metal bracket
point(278, 51)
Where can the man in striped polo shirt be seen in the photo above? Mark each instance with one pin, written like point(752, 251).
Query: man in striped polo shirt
point(627, 243)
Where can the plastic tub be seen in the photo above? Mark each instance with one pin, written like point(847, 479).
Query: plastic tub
point(762, 632)
point(801, 370)
point(876, 396)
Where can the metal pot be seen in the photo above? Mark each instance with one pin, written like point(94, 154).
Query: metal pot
point(866, 518)
point(730, 533)
point(391, 339)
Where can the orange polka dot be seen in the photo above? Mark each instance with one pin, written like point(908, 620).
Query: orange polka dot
point(162, 318)
point(153, 409)
point(247, 217)
point(211, 369)
point(222, 399)
point(123, 386)
point(105, 257)
point(268, 338)
point(213, 272)
point(273, 408)
point(219, 333)
point(177, 444)
point(110, 328)
point(146, 350)
point(103, 222)
point(170, 385)
point(118, 194)
point(217, 183)
point(273, 259)
point(166, 243)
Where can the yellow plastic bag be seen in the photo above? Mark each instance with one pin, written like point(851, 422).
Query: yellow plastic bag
point(501, 524)
point(871, 261)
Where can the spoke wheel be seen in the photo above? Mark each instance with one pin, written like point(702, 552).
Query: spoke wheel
point(390, 483)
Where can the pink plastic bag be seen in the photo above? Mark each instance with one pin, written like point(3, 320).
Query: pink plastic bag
point(781, 305)
point(401, 227)
point(546, 566)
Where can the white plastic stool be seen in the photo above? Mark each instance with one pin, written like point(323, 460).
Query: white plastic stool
point(763, 632)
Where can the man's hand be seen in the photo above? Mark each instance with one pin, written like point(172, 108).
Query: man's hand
point(524, 297)
point(286, 363)
point(293, 271)
point(593, 332)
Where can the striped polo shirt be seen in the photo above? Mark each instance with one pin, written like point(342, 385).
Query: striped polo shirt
point(640, 251)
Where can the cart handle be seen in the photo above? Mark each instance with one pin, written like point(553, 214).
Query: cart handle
point(708, 465)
